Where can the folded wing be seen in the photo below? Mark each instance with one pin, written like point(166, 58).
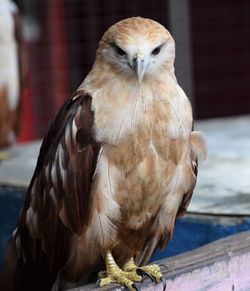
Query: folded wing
point(58, 203)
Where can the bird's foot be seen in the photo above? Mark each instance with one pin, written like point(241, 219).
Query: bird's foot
point(114, 274)
point(129, 274)
point(152, 271)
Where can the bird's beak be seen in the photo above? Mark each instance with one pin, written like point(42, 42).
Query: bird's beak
point(139, 66)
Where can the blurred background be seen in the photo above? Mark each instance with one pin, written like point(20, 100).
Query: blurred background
point(61, 37)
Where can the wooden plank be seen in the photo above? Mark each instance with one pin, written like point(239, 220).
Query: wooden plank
point(221, 265)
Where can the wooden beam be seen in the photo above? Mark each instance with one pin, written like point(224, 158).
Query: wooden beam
point(221, 265)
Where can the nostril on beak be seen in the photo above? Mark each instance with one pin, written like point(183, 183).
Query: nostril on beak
point(134, 65)
point(138, 66)
point(136, 59)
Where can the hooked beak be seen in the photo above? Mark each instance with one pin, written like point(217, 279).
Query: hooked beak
point(139, 66)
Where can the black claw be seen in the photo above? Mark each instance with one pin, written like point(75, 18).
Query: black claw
point(135, 287)
point(162, 279)
point(98, 282)
point(149, 276)
point(142, 273)
point(165, 267)
point(139, 272)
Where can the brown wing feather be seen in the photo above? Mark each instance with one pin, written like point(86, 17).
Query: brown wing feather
point(194, 165)
point(58, 195)
point(187, 196)
point(159, 238)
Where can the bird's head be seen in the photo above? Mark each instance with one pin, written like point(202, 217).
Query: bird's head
point(137, 48)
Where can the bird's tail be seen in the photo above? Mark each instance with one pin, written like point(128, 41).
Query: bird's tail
point(7, 276)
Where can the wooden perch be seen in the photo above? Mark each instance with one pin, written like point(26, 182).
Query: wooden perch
point(221, 265)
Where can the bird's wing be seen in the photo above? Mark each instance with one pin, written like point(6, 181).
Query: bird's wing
point(159, 238)
point(58, 203)
point(187, 196)
point(198, 150)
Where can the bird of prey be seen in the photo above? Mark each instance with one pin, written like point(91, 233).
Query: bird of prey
point(117, 166)
point(10, 36)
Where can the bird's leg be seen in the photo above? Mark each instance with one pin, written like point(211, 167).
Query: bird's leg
point(114, 274)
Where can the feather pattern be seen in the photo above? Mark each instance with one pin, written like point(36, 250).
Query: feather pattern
point(58, 201)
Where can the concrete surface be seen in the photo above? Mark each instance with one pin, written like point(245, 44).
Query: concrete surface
point(19, 168)
point(224, 178)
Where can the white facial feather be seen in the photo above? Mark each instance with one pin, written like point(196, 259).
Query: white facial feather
point(139, 54)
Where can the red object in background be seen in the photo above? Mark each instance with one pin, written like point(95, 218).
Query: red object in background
point(58, 54)
point(27, 118)
point(47, 86)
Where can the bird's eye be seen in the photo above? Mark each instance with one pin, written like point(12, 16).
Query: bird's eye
point(156, 50)
point(119, 51)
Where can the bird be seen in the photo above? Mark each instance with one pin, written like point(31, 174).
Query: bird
point(116, 168)
point(10, 74)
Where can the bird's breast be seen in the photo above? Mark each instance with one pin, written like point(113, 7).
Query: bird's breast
point(145, 152)
point(147, 166)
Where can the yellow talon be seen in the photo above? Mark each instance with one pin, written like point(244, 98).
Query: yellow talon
point(105, 281)
point(128, 274)
point(102, 274)
point(114, 274)
point(153, 270)
point(130, 266)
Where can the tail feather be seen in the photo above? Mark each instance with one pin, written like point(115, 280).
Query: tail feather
point(7, 276)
